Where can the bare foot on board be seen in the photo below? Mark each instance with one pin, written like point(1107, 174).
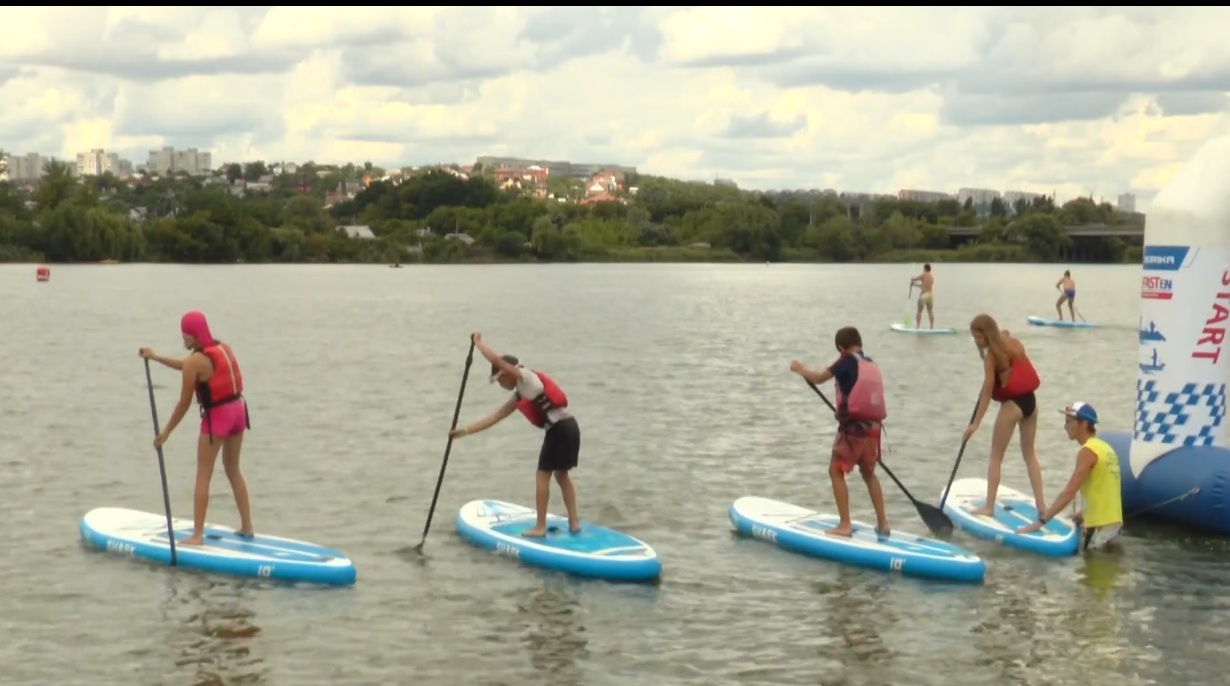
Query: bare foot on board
point(841, 530)
point(983, 512)
point(191, 540)
point(536, 532)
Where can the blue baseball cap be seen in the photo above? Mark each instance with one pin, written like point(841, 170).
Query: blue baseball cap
point(1083, 412)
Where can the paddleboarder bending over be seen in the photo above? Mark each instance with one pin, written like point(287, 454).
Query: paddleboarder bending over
point(860, 411)
point(211, 372)
point(1009, 378)
point(1095, 477)
point(1067, 289)
point(544, 404)
point(926, 295)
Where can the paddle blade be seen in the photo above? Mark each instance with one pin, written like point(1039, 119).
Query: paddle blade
point(934, 518)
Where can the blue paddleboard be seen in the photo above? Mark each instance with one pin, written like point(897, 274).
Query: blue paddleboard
point(902, 328)
point(595, 551)
point(144, 534)
point(1013, 509)
point(800, 530)
point(1060, 324)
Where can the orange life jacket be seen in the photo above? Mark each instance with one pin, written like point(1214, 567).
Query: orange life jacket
point(225, 385)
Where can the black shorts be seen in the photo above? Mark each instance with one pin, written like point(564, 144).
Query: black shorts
point(561, 446)
point(1028, 404)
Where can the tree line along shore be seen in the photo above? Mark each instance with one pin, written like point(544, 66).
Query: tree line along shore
point(441, 216)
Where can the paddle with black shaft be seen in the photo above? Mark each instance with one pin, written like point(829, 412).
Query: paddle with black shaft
point(960, 452)
point(932, 516)
point(449, 446)
point(162, 467)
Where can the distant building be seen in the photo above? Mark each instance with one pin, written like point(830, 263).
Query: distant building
point(169, 161)
point(27, 167)
point(507, 177)
point(978, 197)
point(358, 231)
point(861, 197)
point(924, 196)
point(97, 162)
point(1127, 202)
point(1010, 197)
point(576, 170)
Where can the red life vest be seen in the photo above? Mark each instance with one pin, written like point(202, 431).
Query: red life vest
point(1022, 380)
point(552, 397)
point(866, 400)
point(225, 385)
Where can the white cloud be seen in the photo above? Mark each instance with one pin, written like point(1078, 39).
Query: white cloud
point(1076, 100)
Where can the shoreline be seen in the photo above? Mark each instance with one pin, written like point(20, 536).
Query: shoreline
point(983, 254)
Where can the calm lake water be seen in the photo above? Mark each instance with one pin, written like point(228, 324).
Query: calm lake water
point(679, 375)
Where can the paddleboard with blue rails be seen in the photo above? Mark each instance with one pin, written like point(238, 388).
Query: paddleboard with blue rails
point(1060, 323)
point(938, 331)
point(1013, 509)
point(801, 530)
point(595, 551)
point(144, 534)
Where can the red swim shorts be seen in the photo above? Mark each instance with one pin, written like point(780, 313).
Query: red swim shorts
point(226, 420)
point(851, 450)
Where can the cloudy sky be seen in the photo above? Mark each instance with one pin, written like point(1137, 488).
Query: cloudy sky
point(1075, 100)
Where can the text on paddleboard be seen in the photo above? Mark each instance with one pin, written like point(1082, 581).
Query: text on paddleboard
point(764, 533)
point(506, 549)
point(121, 547)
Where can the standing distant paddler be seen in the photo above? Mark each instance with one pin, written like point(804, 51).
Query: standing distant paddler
point(926, 296)
point(545, 405)
point(1067, 292)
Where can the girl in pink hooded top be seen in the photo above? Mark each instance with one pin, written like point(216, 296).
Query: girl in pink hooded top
point(211, 372)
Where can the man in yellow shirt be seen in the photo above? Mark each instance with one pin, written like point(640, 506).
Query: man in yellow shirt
point(1096, 478)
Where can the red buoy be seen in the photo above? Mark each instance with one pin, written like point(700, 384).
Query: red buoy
point(43, 273)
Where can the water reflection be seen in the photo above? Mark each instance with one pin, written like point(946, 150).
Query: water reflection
point(1101, 572)
point(856, 615)
point(551, 618)
point(1006, 636)
point(212, 636)
point(1098, 647)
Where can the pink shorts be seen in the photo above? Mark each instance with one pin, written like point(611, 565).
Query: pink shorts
point(226, 420)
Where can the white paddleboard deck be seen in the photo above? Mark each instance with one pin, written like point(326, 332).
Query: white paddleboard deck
point(595, 551)
point(801, 530)
point(135, 533)
point(924, 331)
point(1013, 509)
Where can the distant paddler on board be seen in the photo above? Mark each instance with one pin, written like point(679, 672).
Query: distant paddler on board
point(926, 285)
point(1067, 293)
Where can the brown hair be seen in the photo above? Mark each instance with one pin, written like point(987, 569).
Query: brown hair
point(985, 325)
point(847, 337)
